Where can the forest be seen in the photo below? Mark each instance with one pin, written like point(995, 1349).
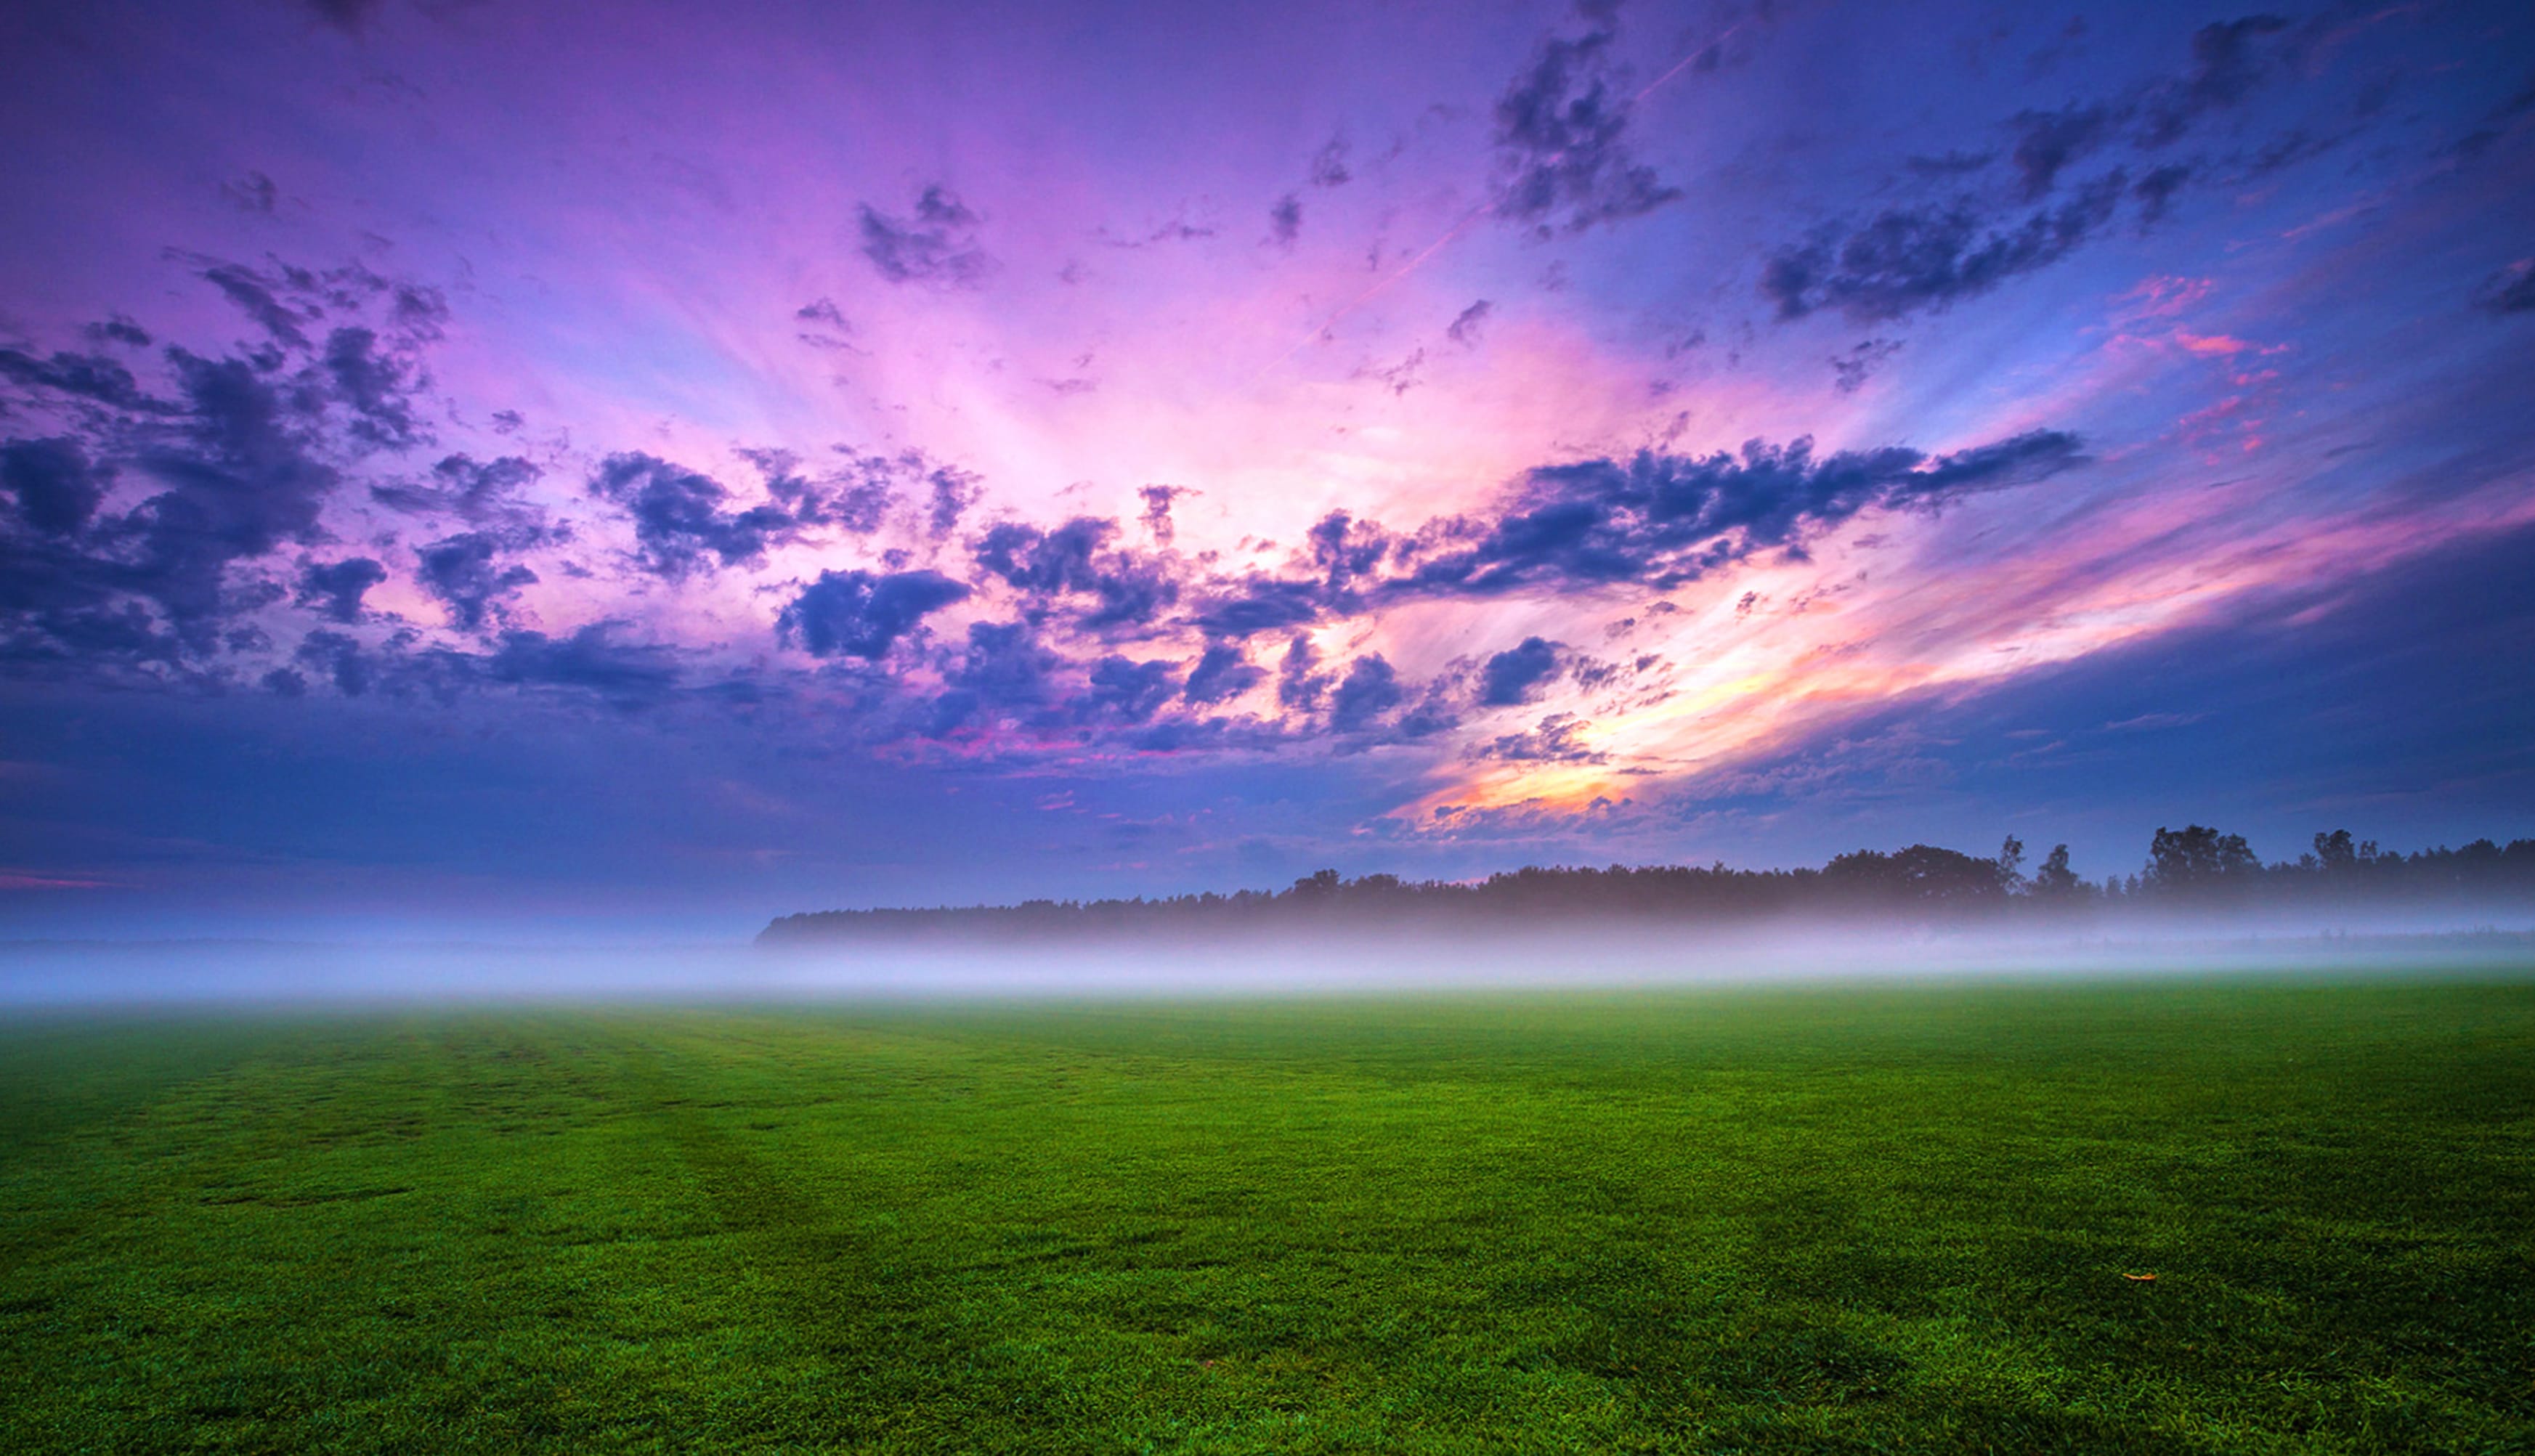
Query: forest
point(2193, 870)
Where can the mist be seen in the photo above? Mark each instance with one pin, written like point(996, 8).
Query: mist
point(208, 974)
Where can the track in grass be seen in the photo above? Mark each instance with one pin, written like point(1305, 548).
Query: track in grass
point(1825, 1220)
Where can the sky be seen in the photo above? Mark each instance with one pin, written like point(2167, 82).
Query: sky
point(469, 465)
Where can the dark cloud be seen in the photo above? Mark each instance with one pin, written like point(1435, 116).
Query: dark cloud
point(347, 16)
point(1465, 326)
point(1370, 689)
point(2155, 191)
point(478, 492)
point(93, 378)
point(2512, 290)
point(253, 193)
point(1850, 371)
point(1257, 604)
point(628, 675)
point(1928, 256)
point(678, 515)
point(1157, 510)
point(1908, 258)
point(859, 495)
point(374, 387)
point(1563, 161)
point(1300, 689)
point(1005, 673)
point(1515, 675)
point(2047, 142)
point(340, 657)
point(2228, 60)
point(243, 456)
point(463, 572)
point(857, 614)
point(1555, 741)
point(336, 588)
point(1074, 560)
point(242, 479)
point(954, 491)
point(1951, 165)
point(55, 486)
point(1129, 692)
point(1330, 164)
point(936, 245)
point(1661, 519)
point(255, 296)
point(117, 330)
point(1222, 673)
point(1285, 220)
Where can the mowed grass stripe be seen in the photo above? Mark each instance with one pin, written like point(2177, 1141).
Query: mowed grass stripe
point(1823, 1220)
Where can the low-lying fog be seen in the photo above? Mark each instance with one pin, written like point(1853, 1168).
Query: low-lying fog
point(139, 974)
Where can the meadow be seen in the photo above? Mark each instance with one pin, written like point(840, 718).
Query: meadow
point(1827, 1219)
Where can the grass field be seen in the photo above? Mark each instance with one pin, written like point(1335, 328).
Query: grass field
point(1837, 1220)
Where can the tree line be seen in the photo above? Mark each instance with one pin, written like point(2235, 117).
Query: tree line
point(2193, 868)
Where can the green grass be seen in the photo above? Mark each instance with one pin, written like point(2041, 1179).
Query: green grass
point(1834, 1220)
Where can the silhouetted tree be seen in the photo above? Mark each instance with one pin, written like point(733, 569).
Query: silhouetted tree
point(2055, 880)
point(2197, 860)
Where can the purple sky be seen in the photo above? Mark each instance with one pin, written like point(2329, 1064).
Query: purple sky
point(469, 464)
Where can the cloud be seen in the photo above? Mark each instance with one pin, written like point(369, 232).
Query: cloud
point(1299, 688)
point(857, 614)
point(255, 296)
point(936, 245)
point(678, 515)
point(1558, 740)
point(463, 574)
point(56, 488)
point(1221, 673)
point(1370, 689)
point(479, 492)
point(1850, 371)
point(2228, 61)
point(338, 656)
point(253, 193)
point(2155, 192)
point(373, 386)
point(2047, 142)
point(1157, 510)
point(1129, 692)
point(1515, 675)
point(1005, 673)
point(1563, 161)
point(1257, 604)
point(1661, 519)
point(1072, 560)
point(1465, 326)
point(1285, 220)
point(628, 675)
point(347, 16)
point(1928, 256)
point(1330, 164)
point(2510, 290)
point(1908, 258)
point(94, 378)
point(335, 590)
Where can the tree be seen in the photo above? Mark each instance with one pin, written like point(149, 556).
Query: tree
point(2011, 862)
point(2197, 860)
point(2055, 880)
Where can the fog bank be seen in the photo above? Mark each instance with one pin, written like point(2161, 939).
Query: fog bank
point(212, 973)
